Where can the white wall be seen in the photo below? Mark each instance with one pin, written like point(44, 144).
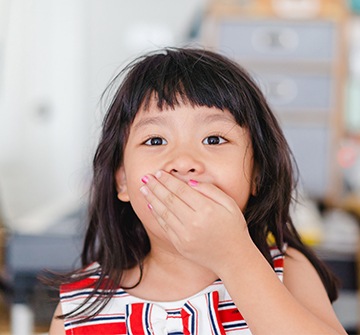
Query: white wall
point(120, 30)
point(58, 58)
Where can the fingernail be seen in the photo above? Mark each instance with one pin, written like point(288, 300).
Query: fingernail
point(150, 207)
point(145, 179)
point(144, 190)
point(193, 182)
point(158, 174)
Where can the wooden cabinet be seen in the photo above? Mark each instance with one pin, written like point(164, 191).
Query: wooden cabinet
point(300, 64)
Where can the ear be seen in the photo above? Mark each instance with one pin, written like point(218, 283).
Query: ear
point(121, 185)
point(254, 186)
point(255, 182)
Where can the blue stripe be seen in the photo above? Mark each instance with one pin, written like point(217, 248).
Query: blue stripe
point(69, 296)
point(127, 320)
point(235, 325)
point(226, 304)
point(147, 317)
point(192, 318)
point(213, 323)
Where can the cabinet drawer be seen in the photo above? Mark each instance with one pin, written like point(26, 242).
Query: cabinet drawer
point(311, 146)
point(293, 91)
point(278, 40)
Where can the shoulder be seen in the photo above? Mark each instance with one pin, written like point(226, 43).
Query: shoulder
point(80, 287)
point(57, 325)
point(72, 291)
point(299, 273)
point(296, 264)
point(304, 283)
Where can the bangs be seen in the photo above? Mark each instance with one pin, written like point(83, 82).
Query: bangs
point(198, 78)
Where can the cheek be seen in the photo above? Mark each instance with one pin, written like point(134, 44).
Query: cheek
point(134, 172)
point(139, 204)
point(237, 185)
point(241, 196)
point(137, 199)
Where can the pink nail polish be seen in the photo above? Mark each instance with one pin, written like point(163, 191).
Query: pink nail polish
point(193, 182)
point(150, 207)
point(145, 179)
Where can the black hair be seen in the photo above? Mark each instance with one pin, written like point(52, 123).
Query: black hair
point(115, 237)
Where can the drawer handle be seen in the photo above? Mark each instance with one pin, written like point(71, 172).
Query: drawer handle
point(275, 39)
point(280, 90)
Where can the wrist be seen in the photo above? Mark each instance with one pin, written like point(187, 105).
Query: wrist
point(238, 257)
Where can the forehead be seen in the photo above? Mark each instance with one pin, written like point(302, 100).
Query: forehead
point(182, 108)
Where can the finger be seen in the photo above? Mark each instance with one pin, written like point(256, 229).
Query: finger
point(170, 199)
point(182, 190)
point(167, 220)
point(161, 211)
point(200, 199)
point(210, 191)
point(160, 221)
point(215, 194)
point(174, 235)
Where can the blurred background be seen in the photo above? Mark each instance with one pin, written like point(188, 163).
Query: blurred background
point(57, 57)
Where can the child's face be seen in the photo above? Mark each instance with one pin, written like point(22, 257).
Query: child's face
point(200, 143)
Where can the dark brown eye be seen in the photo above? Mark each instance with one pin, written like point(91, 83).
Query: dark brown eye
point(214, 140)
point(156, 141)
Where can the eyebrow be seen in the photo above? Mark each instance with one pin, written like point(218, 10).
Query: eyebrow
point(153, 120)
point(162, 120)
point(222, 117)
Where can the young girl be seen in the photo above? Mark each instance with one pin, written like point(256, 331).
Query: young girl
point(191, 177)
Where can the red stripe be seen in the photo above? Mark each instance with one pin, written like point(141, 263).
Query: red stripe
point(230, 315)
point(78, 285)
point(185, 320)
point(190, 320)
point(215, 310)
point(135, 319)
point(279, 262)
point(87, 283)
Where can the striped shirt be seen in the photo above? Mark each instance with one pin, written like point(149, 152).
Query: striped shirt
point(210, 311)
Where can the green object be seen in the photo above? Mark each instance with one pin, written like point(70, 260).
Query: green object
point(354, 6)
point(353, 106)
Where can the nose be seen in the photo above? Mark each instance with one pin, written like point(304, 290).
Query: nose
point(184, 163)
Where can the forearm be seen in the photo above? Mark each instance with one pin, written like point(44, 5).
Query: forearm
point(265, 303)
